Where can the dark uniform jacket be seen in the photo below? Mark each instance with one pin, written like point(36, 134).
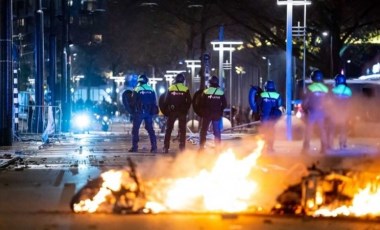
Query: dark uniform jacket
point(340, 107)
point(178, 99)
point(269, 105)
point(314, 102)
point(143, 100)
point(212, 103)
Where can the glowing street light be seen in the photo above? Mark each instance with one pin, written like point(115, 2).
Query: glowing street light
point(289, 40)
point(240, 71)
point(153, 81)
point(222, 46)
point(192, 65)
point(171, 74)
point(268, 66)
point(118, 79)
point(325, 34)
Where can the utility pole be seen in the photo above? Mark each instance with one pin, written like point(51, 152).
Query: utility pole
point(6, 83)
point(39, 64)
point(52, 52)
point(65, 78)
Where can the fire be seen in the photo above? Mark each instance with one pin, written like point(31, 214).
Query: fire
point(226, 187)
point(363, 204)
point(117, 189)
point(112, 182)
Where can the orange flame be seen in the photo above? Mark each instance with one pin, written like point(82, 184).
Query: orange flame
point(112, 181)
point(226, 187)
point(364, 203)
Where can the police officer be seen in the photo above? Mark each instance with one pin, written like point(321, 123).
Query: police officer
point(212, 103)
point(339, 111)
point(270, 105)
point(314, 105)
point(143, 107)
point(177, 103)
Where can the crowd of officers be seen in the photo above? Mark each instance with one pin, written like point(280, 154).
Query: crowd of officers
point(327, 110)
point(141, 103)
point(324, 108)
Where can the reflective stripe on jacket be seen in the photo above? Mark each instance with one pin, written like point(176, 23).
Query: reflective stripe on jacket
point(143, 98)
point(342, 91)
point(178, 98)
point(213, 102)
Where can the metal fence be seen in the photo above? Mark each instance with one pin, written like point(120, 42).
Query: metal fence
point(36, 120)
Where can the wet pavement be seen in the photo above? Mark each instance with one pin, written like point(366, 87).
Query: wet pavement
point(37, 182)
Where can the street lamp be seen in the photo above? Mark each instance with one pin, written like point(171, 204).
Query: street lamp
point(119, 79)
point(222, 46)
point(325, 34)
point(153, 81)
point(240, 71)
point(268, 66)
point(192, 64)
point(289, 40)
point(170, 75)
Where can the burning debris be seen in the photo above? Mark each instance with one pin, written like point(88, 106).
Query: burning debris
point(331, 194)
point(231, 184)
point(226, 187)
point(114, 192)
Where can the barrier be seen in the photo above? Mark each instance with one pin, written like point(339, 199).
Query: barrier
point(36, 120)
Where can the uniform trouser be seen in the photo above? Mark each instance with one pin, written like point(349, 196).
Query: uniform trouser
point(136, 123)
point(320, 123)
point(267, 129)
point(181, 129)
point(204, 127)
point(339, 129)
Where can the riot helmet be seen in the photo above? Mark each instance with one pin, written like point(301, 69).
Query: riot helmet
point(180, 78)
point(316, 76)
point(269, 86)
point(143, 79)
point(340, 79)
point(214, 81)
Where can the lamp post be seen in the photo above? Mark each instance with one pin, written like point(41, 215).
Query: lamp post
point(170, 75)
point(222, 46)
point(119, 79)
point(240, 71)
point(192, 64)
point(268, 66)
point(325, 34)
point(289, 40)
point(153, 81)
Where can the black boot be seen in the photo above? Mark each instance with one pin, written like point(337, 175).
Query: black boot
point(133, 150)
point(153, 149)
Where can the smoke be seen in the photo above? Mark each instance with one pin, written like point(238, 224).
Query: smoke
point(287, 166)
point(272, 173)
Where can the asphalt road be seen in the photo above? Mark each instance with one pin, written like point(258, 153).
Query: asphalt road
point(36, 189)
